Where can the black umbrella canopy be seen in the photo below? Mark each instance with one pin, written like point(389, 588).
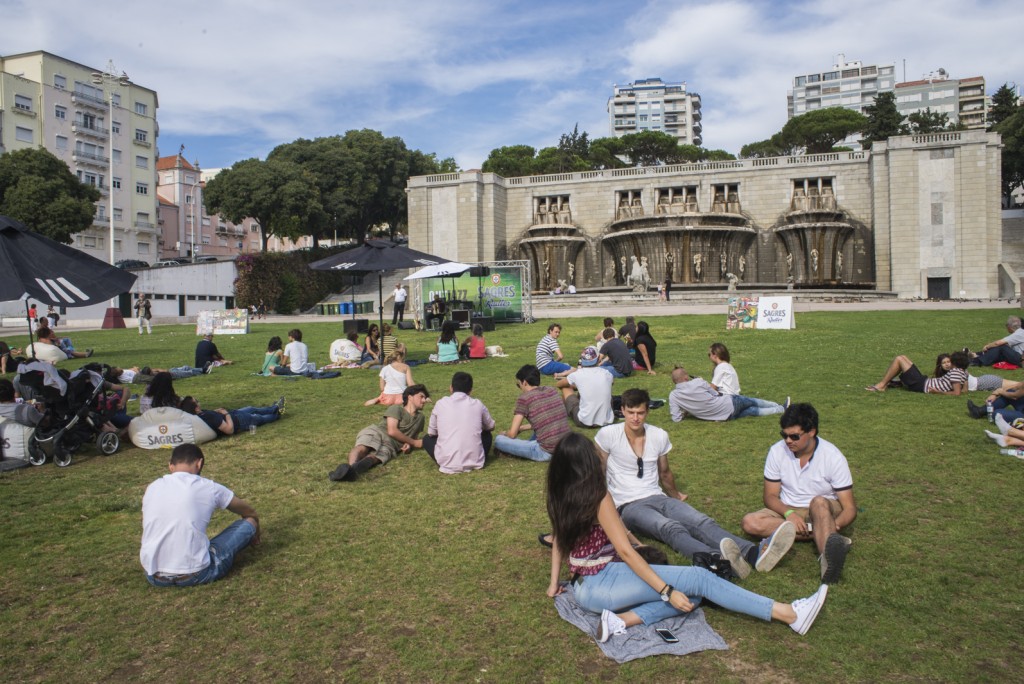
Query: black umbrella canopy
point(377, 256)
point(36, 267)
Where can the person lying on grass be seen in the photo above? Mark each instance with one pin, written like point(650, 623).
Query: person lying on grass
point(396, 432)
point(225, 422)
point(610, 578)
point(950, 378)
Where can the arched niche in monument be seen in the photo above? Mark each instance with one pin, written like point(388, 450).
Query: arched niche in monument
point(552, 242)
point(815, 232)
point(678, 233)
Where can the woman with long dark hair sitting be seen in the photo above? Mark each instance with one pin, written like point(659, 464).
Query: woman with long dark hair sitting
point(609, 576)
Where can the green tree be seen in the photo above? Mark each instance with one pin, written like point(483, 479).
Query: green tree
point(604, 154)
point(760, 149)
point(718, 155)
point(884, 120)
point(511, 161)
point(927, 121)
point(1004, 105)
point(39, 190)
point(280, 195)
point(818, 131)
point(1011, 130)
point(650, 148)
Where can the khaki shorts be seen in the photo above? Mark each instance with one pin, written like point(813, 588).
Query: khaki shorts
point(833, 505)
point(383, 446)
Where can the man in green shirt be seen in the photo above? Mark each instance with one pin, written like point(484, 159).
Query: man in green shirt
point(396, 432)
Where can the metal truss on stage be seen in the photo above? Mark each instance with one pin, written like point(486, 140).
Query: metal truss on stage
point(526, 281)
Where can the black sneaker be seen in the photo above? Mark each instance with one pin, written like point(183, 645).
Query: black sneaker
point(833, 559)
point(976, 411)
point(280, 406)
point(339, 473)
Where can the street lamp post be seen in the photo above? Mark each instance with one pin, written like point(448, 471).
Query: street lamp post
point(194, 185)
point(113, 317)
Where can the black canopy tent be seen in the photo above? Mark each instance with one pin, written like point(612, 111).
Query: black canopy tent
point(34, 267)
point(377, 256)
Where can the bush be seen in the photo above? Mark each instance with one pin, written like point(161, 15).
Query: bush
point(285, 278)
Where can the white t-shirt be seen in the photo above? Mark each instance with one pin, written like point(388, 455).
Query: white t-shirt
point(825, 474)
point(623, 484)
point(126, 377)
point(298, 356)
point(595, 386)
point(175, 512)
point(725, 379)
point(400, 295)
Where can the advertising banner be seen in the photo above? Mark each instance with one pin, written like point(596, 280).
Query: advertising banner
point(766, 313)
point(223, 322)
point(499, 294)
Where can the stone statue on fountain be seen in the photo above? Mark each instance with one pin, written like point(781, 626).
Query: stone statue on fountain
point(743, 266)
point(669, 265)
point(839, 266)
point(639, 279)
point(733, 280)
point(722, 261)
point(697, 259)
point(814, 262)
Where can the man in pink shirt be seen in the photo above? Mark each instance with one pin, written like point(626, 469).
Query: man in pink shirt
point(459, 435)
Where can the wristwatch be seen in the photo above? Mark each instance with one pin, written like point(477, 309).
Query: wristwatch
point(666, 593)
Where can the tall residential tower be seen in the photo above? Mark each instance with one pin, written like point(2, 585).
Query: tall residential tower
point(651, 105)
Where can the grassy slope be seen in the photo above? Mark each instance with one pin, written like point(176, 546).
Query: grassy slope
point(412, 575)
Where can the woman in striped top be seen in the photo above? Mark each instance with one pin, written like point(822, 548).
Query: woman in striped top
point(951, 381)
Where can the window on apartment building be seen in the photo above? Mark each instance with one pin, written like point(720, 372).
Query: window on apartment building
point(800, 81)
point(117, 245)
point(23, 103)
point(813, 78)
point(116, 156)
point(850, 73)
point(188, 199)
point(89, 91)
point(142, 217)
point(886, 70)
point(142, 188)
point(90, 241)
point(141, 162)
point(206, 221)
point(116, 98)
point(141, 135)
point(118, 213)
point(88, 149)
point(89, 178)
point(101, 212)
point(916, 97)
point(23, 134)
point(60, 82)
point(117, 127)
point(62, 142)
point(830, 76)
point(141, 108)
point(117, 183)
point(254, 228)
point(84, 119)
point(60, 112)
point(143, 248)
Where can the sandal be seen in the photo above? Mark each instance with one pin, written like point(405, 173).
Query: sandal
point(543, 539)
point(872, 388)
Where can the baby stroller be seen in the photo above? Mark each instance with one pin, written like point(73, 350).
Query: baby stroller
point(76, 409)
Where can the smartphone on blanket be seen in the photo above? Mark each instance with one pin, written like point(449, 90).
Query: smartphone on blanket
point(667, 636)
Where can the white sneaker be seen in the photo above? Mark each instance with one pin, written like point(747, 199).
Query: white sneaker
point(610, 624)
point(775, 547)
point(731, 552)
point(807, 610)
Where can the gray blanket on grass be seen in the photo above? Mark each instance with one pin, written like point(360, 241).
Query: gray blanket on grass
point(691, 629)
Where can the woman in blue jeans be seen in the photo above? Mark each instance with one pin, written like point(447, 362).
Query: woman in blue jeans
point(610, 577)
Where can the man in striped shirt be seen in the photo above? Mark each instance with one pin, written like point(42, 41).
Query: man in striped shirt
point(549, 356)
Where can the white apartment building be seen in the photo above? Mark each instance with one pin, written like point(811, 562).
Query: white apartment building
point(652, 105)
point(847, 84)
point(54, 103)
point(961, 99)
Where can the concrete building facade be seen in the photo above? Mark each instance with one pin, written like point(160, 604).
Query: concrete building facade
point(916, 215)
point(847, 84)
point(963, 100)
point(53, 103)
point(652, 105)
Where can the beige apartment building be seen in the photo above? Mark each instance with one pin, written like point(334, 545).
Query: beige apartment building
point(916, 215)
point(54, 103)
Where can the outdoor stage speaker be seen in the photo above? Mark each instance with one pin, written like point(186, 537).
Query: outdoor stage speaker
point(406, 325)
point(480, 271)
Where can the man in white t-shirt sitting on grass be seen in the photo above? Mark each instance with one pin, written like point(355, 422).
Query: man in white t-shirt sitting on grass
point(592, 407)
point(296, 356)
point(176, 510)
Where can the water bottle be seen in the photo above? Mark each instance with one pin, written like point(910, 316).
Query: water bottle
point(252, 429)
point(990, 411)
point(1016, 452)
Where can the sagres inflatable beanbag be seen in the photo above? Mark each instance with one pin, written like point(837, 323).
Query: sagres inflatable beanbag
point(166, 428)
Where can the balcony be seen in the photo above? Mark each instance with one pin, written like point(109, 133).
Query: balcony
point(142, 143)
point(145, 225)
point(90, 159)
point(89, 130)
point(89, 101)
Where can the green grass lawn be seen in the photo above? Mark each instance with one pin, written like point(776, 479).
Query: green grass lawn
point(411, 575)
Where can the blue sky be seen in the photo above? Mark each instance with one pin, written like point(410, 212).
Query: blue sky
point(235, 78)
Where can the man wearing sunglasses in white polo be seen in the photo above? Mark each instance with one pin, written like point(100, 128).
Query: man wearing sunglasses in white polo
point(807, 483)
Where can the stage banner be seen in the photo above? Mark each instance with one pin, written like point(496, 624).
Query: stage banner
point(223, 322)
point(499, 294)
point(775, 313)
